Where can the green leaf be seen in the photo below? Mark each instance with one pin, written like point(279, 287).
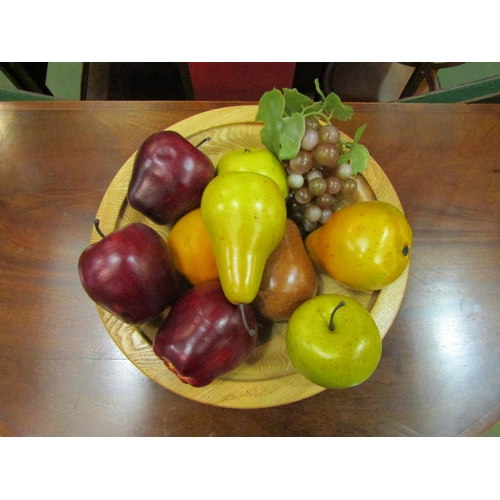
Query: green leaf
point(270, 111)
point(318, 89)
point(295, 102)
point(271, 106)
point(359, 158)
point(313, 109)
point(358, 155)
point(291, 135)
point(335, 107)
point(359, 133)
point(344, 158)
point(270, 135)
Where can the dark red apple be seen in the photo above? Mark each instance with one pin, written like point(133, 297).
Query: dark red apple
point(168, 177)
point(130, 273)
point(204, 335)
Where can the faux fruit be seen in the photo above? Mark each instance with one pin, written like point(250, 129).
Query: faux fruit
point(319, 192)
point(168, 177)
point(204, 336)
point(245, 216)
point(130, 273)
point(321, 166)
point(289, 278)
point(333, 341)
point(191, 249)
point(258, 160)
point(365, 246)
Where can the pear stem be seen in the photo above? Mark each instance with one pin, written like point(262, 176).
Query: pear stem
point(98, 229)
point(247, 326)
point(203, 141)
point(331, 326)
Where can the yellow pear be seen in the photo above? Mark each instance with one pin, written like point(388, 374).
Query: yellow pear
point(245, 217)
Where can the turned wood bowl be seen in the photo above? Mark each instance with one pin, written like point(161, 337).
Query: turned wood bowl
point(267, 377)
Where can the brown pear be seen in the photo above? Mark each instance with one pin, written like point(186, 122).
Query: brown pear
point(289, 278)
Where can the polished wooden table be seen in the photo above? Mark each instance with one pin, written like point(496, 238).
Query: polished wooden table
point(62, 375)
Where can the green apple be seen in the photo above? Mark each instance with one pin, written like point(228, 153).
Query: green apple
point(333, 341)
point(257, 160)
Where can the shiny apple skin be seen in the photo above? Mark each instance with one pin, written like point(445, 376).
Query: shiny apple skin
point(168, 177)
point(203, 337)
point(130, 273)
point(338, 359)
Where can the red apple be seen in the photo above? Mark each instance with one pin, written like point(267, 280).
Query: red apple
point(204, 335)
point(168, 177)
point(130, 273)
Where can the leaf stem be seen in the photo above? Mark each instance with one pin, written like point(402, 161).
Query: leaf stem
point(320, 114)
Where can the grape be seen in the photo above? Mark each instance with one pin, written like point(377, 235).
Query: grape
point(338, 205)
point(313, 213)
point(333, 184)
point(326, 214)
point(302, 163)
point(343, 171)
point(312, 122)
point(293, 206)
point(303, 195)
point(326, 154)
point(310, 139)
point(298, 218)
point(329, 133)
point(317, 166)
point(309, 226)
point(317, 186)
point(324, 200)
point(295, 181)
point(349, 186)
point(314, 174)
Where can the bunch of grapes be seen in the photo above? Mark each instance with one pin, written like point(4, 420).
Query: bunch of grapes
point(318, 185)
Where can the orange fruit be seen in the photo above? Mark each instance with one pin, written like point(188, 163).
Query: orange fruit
point(191, 249)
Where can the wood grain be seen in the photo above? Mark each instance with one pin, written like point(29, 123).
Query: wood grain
point(267, 377)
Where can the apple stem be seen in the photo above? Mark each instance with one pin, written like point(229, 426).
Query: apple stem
point(331, 326)
point(246, 150)
point(203, 141)
point(247, 327)
point(98, 229)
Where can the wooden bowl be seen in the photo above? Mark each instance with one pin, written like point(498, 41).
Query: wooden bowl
point(267, 377)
